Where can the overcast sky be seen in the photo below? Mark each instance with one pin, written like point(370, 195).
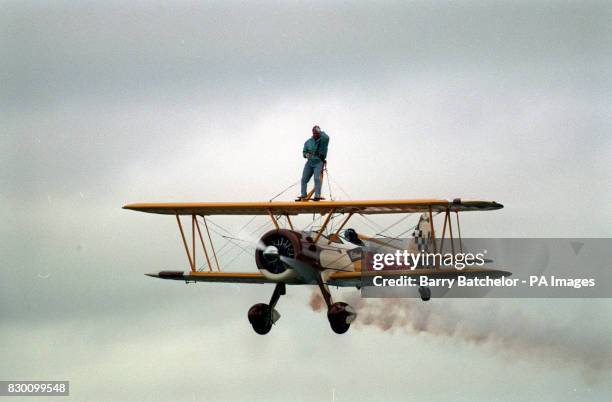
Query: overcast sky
point(105, 103)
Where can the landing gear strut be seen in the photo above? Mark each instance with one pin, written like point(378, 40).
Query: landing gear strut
point(262, 316)
point(339, 314)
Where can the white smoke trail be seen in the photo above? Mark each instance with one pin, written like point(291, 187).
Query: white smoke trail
point(504, 326)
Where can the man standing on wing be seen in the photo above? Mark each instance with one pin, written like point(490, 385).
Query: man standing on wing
point(315, 151)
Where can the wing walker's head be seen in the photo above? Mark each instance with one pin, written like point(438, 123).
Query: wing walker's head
point(316, 132)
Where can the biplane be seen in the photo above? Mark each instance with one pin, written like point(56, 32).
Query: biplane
point(325, 257)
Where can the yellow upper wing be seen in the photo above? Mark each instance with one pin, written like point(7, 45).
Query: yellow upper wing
point(309, 207)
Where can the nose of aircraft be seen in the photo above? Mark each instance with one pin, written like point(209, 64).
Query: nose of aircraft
point(271, 253)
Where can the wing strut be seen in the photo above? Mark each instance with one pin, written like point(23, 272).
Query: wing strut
point(448, 219)
point(327, 218)
point(340, 228)
point(204, 247)
point(191, 254)
point(191, 262)
point(433, 232)
point(289, 222)
point(459, 230)
point(274, 221)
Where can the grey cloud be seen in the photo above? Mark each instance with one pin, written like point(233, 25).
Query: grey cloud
point(113, 50)
point(107, 103)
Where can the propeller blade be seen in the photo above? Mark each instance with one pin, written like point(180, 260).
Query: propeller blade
point(306, 271)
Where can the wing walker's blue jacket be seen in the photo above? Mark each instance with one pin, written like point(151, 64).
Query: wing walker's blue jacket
point(317, 149)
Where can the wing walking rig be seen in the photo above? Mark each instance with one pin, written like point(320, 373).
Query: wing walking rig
point(287, 255)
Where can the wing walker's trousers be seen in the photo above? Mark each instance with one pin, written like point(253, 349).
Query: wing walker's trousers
point(312, 168)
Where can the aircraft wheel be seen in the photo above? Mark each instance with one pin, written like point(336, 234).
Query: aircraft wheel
point(260, 317)
point(425, 293)
point(340, 316)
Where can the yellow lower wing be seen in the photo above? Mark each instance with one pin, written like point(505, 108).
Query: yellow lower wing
point(341, 279)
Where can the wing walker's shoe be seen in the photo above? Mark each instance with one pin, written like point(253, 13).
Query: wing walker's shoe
point(300, 198)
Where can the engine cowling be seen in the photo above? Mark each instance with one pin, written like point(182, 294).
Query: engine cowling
point(277, 243)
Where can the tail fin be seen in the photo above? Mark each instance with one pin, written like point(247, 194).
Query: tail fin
point(421, 237)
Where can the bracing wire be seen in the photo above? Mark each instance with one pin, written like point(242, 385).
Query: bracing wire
point(393, 224)
point(229, 240)
point(331, 197)
point(329, 178)
point(284, 191)
point(396, 238)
